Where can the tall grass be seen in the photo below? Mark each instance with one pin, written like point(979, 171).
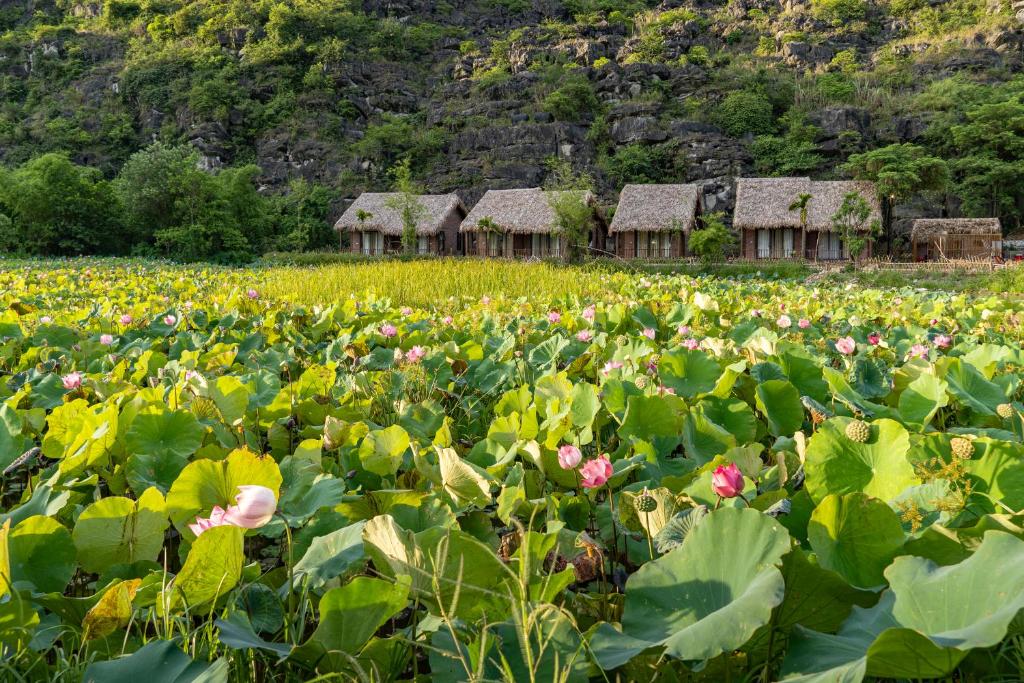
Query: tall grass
point(430, 283)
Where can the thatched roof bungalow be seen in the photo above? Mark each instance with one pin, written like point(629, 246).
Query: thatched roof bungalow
point(956, 238)
point(653, 221)
point(521, 223)
point(374, 222)
point(771, 229)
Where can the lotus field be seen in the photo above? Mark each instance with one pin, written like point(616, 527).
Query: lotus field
point(255, 475)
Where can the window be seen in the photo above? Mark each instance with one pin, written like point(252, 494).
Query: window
point(764, 248)
point(787, 243)
point(666, 245)
point(422, 244)
point(830, 247)
point(493, 244)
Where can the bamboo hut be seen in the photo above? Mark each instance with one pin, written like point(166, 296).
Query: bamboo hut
point(653, 221)
point(770, 229)
point(375, 226)
point(522, 224)
point(936, 239)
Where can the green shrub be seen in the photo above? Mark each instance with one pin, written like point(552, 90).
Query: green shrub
point(838, 12)
point(743, 112)
point(574, 100)
point(712, 242)
point(601, 62)
point(784, 156)
point(836, 87)
point(638, 163)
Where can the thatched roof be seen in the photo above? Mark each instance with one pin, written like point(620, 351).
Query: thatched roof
point(929, 227)
point(525, 211)
point(438, 209)
point(765, 202)
point(653, 208)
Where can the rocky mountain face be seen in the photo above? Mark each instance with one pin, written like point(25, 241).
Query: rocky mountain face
point(482, 94)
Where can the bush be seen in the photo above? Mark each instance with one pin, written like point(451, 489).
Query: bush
point(743, 112)
point(574, 100)
point(713, 242)
point(838, 12)
point(836, 87)
point(638, 163)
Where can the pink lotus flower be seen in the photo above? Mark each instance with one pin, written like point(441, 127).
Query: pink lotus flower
point(256, 505)
point(72, 380)
point(252, 294)
point(727, 481)
point(784, 321)
point(406, 310)
point(106, 339)
point(846, 345)
point(201, 524)
point(589, 312)
point(756, 313)
point(874, 339)
point(448, 320)
point(612, 365)
point(918, 351)
point(388, 330)
point(933, 322)
point(663, 390)
point(691, 344)
point(650, 332)
point(415, 354)
point(170, 320)
point(191, 375)
point(125, 319)
point(554, 317)
point(803, 323)
point(683, 330)
point(596, 472)
point(942, 341)
point(485, 300)
point(46, 320)
point(569, 457)
point(584, 335)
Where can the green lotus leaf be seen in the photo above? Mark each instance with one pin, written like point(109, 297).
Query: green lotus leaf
point(650, 416)
point(922, 399)
point(689, 373)
point(119, 530)
point(779, 401)
point(160, 661)
point(999, 471)
point(705, 597)
point(349, 616)
point(970, 388)
point(41, 554)
point(331, 555)
point(164, 434)
point(837, 465)
point(212, 568)
point(926, 623)
point(382, 450)
point(856, 536)
point(463, 481)
point(447, 566)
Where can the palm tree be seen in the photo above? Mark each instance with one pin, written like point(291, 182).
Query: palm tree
point(801, 202)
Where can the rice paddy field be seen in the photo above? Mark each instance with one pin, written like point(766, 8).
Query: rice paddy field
point(483, 471)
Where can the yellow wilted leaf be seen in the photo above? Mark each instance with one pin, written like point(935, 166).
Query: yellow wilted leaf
point(112, 612)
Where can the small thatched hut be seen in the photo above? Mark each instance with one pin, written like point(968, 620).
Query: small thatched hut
point(936, 239)
point(522, 224)
point(374, 223)
point(653, 221)
point(770, 229)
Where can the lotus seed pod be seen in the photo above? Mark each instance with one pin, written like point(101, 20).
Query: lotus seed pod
point(962, 448)
point(858, 431)
point(641, 382)
point(646, 503)
point(622, 340)
point(1004, 410)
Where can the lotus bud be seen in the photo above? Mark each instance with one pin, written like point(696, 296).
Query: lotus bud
point(256, 505)
point(596, 472)
point(569, 457)
point(727, 481)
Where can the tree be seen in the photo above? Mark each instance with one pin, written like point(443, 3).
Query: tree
point(990, 170)
point(802, 200)
point(407, 203)
point(898, 172)
point(570, 197)
point(745, 111)
point(301, 217)
point(58, 208)
point(713, 241)
point(851, 222)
